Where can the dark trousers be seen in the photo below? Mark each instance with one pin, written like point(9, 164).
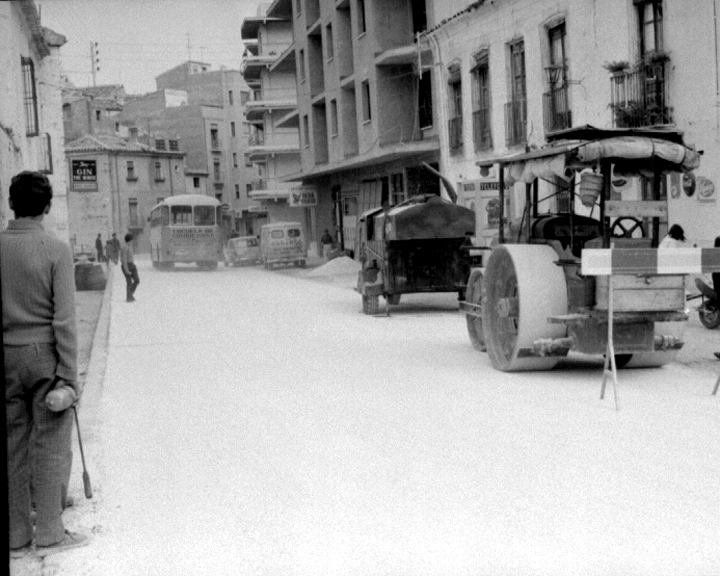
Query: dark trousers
point(38, 445)
point(132, 280)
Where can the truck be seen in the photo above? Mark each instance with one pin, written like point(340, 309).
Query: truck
point(283, 243)
point(529, 304)
point(413, 247)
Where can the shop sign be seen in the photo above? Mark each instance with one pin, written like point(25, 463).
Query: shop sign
point(302, 196)
point(84, 175)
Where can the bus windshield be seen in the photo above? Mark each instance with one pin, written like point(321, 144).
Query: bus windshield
point(204, 215)
point(181, 216)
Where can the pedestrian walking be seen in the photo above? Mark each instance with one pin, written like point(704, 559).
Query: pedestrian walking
point(99, 248)
point(40, 350)
point(116, 247)
point(108, 252)
point(129, 269)
point(326, 240)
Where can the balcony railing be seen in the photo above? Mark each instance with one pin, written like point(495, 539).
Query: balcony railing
point(515, 122)
point(556, 110)
point(455, 133)
point(256, 139)
point(482, 135)
point(639, 98)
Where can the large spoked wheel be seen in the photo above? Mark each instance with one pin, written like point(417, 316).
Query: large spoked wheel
point(473, 295)
point(627, 227)
point(523, 286)
point(371, 304)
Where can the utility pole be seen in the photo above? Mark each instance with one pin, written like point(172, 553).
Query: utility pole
point(94, 60)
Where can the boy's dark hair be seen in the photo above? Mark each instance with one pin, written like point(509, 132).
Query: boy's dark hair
point(128, 237)
point(30, 193)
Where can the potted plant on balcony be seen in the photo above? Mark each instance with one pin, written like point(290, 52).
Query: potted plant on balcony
point(655, 57)
point(616, 66)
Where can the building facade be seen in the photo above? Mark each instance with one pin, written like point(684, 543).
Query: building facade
point(31, 126)
point(203, 109)
point(513, 73)
point(273, 149)
point(114, 183)
point(92, 110)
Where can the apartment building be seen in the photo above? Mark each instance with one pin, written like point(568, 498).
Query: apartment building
point(365, 106)
point(31, 127)
point(515, 73)
point(203, 109)
point(92, 110)
point(115, 181)
point(273, 149)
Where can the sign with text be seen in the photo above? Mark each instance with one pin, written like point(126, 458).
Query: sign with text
point(83, 175)
point(302, 196)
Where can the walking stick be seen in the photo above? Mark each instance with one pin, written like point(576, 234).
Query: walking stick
point(85, 476)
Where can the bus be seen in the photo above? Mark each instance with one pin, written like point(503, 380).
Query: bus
point(186, 229)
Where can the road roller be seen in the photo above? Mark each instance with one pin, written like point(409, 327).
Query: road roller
point(589, 191)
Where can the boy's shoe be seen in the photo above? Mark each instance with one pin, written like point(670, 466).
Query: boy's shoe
point(20, 552)
point(71, 540)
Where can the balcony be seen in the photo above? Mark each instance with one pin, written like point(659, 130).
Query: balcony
point(639, 97)
point(556, 110)
point(268, 100)
point(259, 56)
point(516, 122)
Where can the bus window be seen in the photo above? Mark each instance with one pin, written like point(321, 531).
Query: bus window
point(165, 215)
point(181, 215)
point(204, 215)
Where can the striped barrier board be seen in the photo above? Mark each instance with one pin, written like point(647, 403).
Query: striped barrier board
point(612, 261)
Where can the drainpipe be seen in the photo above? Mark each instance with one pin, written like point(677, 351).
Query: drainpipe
point(717, 72)
point(115, 203)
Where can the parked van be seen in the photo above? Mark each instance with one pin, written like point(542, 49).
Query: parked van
point(283, 243)
point(242, 251)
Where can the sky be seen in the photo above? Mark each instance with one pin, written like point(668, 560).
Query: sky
point(140, 39)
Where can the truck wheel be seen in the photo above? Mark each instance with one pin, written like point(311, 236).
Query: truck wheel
point(709, 315)
point(393, 299)
point(523, 287)
point(371, 304)
point(473, 295)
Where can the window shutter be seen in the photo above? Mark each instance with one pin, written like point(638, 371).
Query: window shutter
point(454, 73)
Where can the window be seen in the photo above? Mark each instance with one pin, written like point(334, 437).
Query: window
point(330, 47)
point(181, 215)
point(482, 135)
point(216, 170)
point(30, 97)
point(160, 144)
point(556, 106)
point(425, 105)
point(205, 215)
point(516, 109)
point(366, 110)
point(235, 160)
point(230, 98)
point(397, 189)
point(174, 146)
point(98, 115)
point(131, 170)
point(455, 108)
point(301, 65)
point(650, 18)
point(333, 118)
point(306, 131)
point(214, 137)
point(158, 172)
point(232, 129)
point(133, 216)
point(362, 24)
point(237, 191)
point(196, 182)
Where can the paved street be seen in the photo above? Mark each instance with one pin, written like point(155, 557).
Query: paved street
point(256, 422)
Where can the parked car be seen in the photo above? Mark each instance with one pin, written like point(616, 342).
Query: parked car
point(283, 243)
point(242, 251)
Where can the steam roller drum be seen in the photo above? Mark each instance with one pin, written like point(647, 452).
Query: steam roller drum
point(523, 286)
point(661, 357)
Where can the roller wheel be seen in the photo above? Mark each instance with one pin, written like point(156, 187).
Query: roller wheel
point(473, 295)
point(660, 357)
point(371, 304)
point(709, 315)
point(522, 287)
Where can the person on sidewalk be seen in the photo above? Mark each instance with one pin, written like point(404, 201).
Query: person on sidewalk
point(40, 348)
point(675, 238)
point(116, 247)
point(99, 249)
point(326, 240)
point(129, 269)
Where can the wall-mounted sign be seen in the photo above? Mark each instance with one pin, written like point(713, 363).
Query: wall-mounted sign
point(705, 190)
point(302, 196)
point(83, 175)
point(174, 98)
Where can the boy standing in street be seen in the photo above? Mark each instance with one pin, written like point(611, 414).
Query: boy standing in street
point(129, 269)
point(40, 349)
